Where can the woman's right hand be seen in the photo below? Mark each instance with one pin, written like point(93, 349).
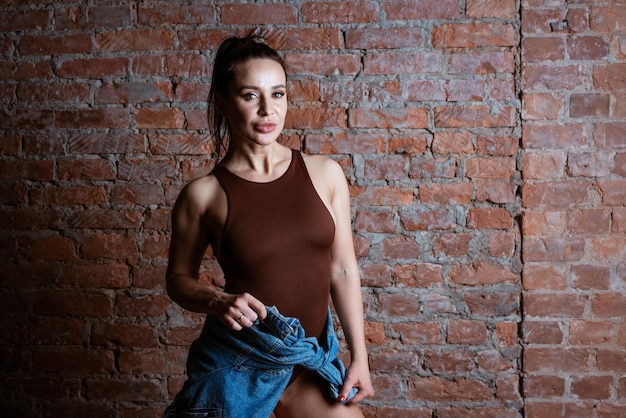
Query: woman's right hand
point(238, 311)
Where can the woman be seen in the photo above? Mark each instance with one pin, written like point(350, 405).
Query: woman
point(278, 222)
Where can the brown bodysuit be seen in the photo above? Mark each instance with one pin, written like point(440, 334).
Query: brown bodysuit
point(276, 243)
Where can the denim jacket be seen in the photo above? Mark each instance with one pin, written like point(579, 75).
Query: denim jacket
point(243, 374)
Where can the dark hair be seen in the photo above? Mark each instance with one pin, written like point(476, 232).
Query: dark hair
point(232, 52)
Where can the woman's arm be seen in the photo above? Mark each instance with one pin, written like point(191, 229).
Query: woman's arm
point(346, 288)
point(188, 244)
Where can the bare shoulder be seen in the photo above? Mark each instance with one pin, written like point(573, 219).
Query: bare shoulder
point(199, 194)
point(323, 168)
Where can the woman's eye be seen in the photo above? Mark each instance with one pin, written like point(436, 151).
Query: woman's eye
point(250, 96)
point(279, 94)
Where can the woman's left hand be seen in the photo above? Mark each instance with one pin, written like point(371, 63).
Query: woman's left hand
point(357, 376)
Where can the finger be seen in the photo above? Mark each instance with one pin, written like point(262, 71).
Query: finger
point(258, 308)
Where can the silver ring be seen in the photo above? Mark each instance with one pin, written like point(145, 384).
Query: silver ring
point(239, 319)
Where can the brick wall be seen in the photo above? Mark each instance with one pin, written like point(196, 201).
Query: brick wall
point(573, 198)
point(484, 145)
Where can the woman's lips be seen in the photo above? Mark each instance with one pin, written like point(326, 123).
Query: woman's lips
point(265, 128)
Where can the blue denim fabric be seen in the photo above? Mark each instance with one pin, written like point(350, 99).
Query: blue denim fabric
point(243, 374)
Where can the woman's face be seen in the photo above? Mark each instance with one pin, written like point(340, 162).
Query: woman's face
point(256, 103)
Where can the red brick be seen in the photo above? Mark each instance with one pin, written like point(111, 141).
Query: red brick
point(538, 49)
point(556, 360)
point(93, 118)
point(491, 8)
point(383, 196)
point(53, 93)
point(497, 145)
point(589, 105)
point(315, 118)
point(482, 273)
point(92, 68)
point(543, 277)
point(109, 143)
point(554, 305)
point(560, 194)
point(452, 193)
point(562, 77)
point(465, 90)
point(418, 275)
point(553, 249)
point(474, 116)
point(490, 168)
point(450, 361)
point(375, 222)
point(45, 331)
point(481, 62)
point(72, 304)
point(384, 38)
point(551, 223)
point(339, 12)
point(108, 246)
point(452, 142)
point(166, 118)
point(613, 192)
point(376, 275)
point(507, 334)
point(67, 196)
point(400, 248)
point(594, 333)
point(609, 135)
point(559, 408)
point(426, 333)
point(587, 164)
point(542, 106)
point(51, 248)
point(155, 92)
point(592, 387)
point(174, 13)
point(440, 389)
point(94, 17)
point(501, 245)
point(590, 277)
point(135, 40)
point(427, 9)
point(432, 167)
point(85, 169)
point(245, 14)
point(542, 332)
point(609, 305)
point(471, 332)
point(152, 361)
point(427, 220)
point(492, 303)
point(489, 218)
point(146, 170)
point(403, 63)
point(473, 35)
point(128, 335)
point(89, 276)
point(451, 245)
point(544, 386)
point(607, 18)
point(55, 45)
point(170, 65)
point(361, 92)
point(388, 118)
point(589, 221)
point(399, 304)
point(19, 20)
point(27, 119)
point(385, 168)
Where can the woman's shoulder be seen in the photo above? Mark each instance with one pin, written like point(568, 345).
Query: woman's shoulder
point(322, 165)
point(200, 193)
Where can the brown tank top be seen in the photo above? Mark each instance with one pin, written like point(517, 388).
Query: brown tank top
point(276, 243)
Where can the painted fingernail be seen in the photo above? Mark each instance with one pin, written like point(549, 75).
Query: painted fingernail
point(342, 398)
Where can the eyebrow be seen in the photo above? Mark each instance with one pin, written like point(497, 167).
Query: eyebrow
point(278, 86)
